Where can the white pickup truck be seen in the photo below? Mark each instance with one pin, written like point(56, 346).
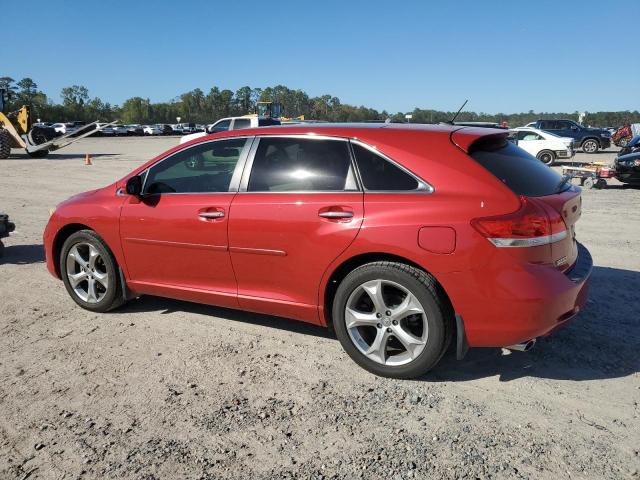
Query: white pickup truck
point(232, 123)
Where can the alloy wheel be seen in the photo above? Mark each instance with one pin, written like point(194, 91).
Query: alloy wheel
point(590, 146)
point(87, 272)
point(386, 322)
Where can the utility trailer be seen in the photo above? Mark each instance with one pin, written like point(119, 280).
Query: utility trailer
point(591, 175)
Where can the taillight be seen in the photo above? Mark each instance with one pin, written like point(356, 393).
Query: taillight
point(530, 226)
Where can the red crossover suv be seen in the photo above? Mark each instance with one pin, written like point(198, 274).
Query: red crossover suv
point(399, 237)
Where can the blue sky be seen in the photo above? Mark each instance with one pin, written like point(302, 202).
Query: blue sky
point(506, 56)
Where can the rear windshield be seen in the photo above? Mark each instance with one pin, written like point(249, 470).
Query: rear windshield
point(521, 172)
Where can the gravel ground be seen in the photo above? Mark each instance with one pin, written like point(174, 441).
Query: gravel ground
point(168, 389)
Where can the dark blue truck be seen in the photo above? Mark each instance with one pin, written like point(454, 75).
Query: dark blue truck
point(590, 140)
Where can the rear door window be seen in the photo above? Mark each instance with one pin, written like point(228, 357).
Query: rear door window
point(240, 123)
point(522, 173)
point(379, 174)
point(301, 165)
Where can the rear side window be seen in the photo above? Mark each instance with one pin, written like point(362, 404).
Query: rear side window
point(522, 173)
point(240, 123)
point(379, 174)
point(301, 165)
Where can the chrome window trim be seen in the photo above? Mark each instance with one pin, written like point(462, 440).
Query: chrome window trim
point(244, 182)
point(235, 176)
point(424, 187)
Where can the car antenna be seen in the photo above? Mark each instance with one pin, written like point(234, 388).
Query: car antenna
point(450, 122)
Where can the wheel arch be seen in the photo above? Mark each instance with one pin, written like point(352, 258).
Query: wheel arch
point(351, 263)
point(58, 241)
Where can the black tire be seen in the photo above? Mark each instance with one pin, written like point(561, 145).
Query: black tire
point(547, 157)
point(5, 143)
point(600, 183)
point(624, 142)
point(436, 308)
point(112, 297)
point(589, 182)
point(590, 145)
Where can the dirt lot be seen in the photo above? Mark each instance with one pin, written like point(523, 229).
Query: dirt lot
point(168, 389)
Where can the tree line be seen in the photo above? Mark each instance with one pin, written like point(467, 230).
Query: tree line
point(200, 107)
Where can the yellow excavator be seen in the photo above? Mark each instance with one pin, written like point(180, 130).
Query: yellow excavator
point(17, 131)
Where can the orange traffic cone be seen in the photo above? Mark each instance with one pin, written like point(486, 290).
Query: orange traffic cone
point(87, 159)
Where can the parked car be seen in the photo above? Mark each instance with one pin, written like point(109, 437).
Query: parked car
point(627, 168)
point(105, 132)
point(632, 146)
point(232, 123)
point(545, 146)
point(134, 130)
point(164, 128)
point(152, 130)
point(471, 238)
point(590, 140)
point(64, 128)
point(186, 128)
point(120, 130)
point(177, 129)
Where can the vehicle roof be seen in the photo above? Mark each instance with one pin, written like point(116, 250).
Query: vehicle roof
point(386, 136)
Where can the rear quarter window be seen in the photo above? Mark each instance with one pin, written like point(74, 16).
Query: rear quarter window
point(521, 172)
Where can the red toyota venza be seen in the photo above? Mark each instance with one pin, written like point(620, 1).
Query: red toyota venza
point(401, 238)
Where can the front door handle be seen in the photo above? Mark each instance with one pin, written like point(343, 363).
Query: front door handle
point(333, 214)
point(217, 214)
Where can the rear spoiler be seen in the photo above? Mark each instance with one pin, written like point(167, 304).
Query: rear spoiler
point(465, 138)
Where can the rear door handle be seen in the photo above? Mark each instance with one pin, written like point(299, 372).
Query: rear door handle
point(217, 214)
point(332, 214)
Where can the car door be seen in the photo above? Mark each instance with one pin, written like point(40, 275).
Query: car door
point(530, 142)
point(567, 129)
point(174, 236)
point(299, 207)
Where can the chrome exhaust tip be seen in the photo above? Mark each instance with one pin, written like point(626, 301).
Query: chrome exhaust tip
point(524, 346)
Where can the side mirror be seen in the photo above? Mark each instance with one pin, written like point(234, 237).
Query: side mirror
point(573, 127)
point(134, 186)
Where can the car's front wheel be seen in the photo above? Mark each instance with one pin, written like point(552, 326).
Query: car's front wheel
point(590, 146)
point(90, 272)
point(392, 319)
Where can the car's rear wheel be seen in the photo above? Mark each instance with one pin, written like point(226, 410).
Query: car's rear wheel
point(392, 319)
point(547, 157)
point(90, 272)
point(590, 146)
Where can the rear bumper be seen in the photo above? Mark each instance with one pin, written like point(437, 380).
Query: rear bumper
point(512, 305)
